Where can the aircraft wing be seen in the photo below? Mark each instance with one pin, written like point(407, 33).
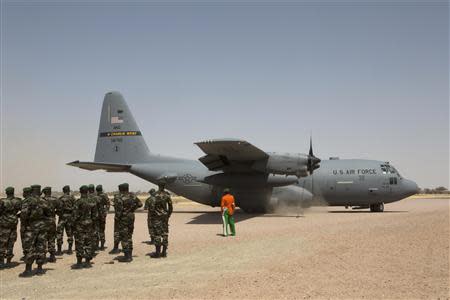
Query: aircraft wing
point(230, 155)
point(92, 166)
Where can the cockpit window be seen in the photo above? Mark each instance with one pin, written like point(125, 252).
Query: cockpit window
point(388, 169)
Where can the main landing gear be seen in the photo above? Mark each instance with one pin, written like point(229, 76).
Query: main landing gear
point(377, 207)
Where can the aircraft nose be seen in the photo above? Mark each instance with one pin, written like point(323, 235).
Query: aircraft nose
point(410, 187)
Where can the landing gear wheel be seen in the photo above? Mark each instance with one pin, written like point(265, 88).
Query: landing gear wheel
point(378, 207)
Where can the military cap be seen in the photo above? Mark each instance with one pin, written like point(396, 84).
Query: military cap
point(91, 187)
point(123, 187)
point(27, 189)
point(9, 190)
point(99, 188)
point(152, 191)
point(83, 189)
point(47, 189)
point(226, 191)
point(36, 187)
point(66, 188)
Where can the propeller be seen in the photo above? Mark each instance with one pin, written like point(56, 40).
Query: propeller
point(313, 161)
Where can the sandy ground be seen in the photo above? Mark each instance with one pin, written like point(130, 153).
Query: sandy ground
point(325, 253)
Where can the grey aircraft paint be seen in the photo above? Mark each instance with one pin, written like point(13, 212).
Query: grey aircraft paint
point(259, 180)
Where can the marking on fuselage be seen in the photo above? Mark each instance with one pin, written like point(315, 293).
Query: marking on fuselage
point(120, 133)
point(187, 178)
point(344, 182)
point(355, 171)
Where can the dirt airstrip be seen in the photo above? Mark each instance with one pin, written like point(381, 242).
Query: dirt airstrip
point(324, 253)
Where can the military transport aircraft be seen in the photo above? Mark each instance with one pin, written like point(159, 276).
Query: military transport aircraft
point(261, 181)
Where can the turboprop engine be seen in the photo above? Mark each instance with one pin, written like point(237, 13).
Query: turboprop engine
point(300, 165)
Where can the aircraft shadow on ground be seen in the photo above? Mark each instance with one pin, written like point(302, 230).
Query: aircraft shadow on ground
point(366, 212)
point(215, 218)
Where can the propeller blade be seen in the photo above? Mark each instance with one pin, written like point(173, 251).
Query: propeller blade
point(313, 161)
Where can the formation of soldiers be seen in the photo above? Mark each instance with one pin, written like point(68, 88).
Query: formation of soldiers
point(83, 220)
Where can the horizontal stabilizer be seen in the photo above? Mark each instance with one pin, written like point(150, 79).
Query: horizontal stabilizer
point(92, 166)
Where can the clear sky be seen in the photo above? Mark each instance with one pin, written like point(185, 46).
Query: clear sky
point(369, 79)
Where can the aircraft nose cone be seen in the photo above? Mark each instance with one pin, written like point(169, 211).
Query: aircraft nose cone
point(411, 188)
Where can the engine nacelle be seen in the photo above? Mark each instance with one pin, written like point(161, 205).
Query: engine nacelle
point(284, 164)
point(293, 196)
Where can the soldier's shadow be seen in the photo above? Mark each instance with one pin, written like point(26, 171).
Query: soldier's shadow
point(11, 265)
point(45, 271)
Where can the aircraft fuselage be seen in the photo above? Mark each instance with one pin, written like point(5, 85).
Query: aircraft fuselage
point(338, 182)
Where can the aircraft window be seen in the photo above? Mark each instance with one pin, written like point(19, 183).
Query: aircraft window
point(396, 172)
point(392, 180)
point(395, 180)
point(384, 169)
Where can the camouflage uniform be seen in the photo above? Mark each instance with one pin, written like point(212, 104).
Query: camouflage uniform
point(65, 210)
point(95, 199)
point(9, 209)
point(116, 227)
point(53, 205)
point(149, 204)
point(161, 212)
point(103, 213)
point(26, 196)
point(35, 215)
point(126, 205)
point(84, 215)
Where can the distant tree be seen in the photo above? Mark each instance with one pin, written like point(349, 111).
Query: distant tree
point(427, 191)
point(441, 190)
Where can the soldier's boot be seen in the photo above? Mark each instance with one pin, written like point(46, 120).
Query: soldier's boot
point(126, 257)
point(59, 251)
point(102, 245)
point(2, 263)
point(87, 263)
point(52, 258)
point(157, 253)
point(131, 254)
point(164, 251)
point(69, 250)
point(23, 258)
point(152, 241)
point(8, 261)
point(115, 250)
point(27, 272)
point(39, 270)
point(79, 263)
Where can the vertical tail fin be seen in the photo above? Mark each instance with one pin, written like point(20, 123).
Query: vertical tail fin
point(119, 139)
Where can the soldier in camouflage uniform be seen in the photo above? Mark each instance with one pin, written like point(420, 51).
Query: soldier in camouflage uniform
point(126, 205)
point(103, 211)
point(9, 210)
point(53, 204)
point(84, 214)
point(96, 200)
point(65, 210)
point(147, 206)
point(162, 210)
point(26, 195)
point(116, 250)
point(35, 215)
